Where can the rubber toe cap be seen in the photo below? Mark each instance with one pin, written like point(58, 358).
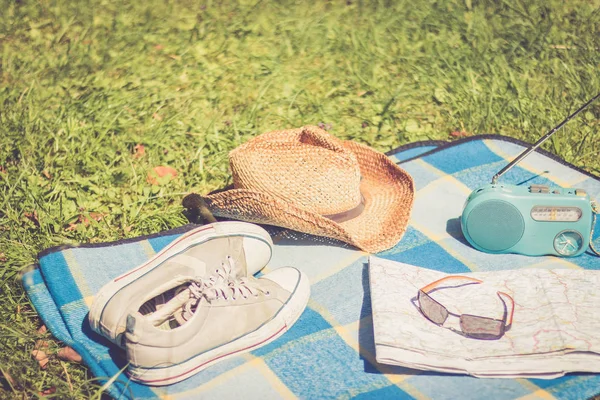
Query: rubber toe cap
point(258, 254)
point(286, 277)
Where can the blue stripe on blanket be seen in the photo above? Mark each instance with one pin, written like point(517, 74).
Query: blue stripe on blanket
point(329, 352)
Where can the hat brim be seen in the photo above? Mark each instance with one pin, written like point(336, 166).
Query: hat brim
point(388, 193)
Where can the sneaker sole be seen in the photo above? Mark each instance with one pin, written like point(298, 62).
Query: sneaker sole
point(281, 323)
point(111, 288)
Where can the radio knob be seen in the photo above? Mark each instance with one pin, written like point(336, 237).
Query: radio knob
point(580, 192)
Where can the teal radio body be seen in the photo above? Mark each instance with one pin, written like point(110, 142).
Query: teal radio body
point(531, 220)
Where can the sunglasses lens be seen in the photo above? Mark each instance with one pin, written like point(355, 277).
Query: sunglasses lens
point(433, 310)
point(481, 327)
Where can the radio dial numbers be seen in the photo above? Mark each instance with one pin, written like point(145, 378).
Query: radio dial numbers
point(556, 214)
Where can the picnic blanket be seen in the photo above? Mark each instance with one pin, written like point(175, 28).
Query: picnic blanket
point(330, 352)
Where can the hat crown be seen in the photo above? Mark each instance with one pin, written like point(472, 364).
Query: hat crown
point(305, 166)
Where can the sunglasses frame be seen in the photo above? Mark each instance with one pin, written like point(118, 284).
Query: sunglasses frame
point(506, 321)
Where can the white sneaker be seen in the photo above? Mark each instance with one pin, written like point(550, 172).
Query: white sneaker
point(210, 321)
point(195, 254)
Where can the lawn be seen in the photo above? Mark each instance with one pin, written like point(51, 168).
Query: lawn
point(94, 95)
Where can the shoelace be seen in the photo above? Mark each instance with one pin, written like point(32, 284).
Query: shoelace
point(222, 285)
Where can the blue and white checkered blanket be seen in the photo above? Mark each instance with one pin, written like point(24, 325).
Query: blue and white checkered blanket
point(329, 352)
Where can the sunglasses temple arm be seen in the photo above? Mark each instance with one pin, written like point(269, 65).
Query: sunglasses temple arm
point(511, 306)
point(437, 283)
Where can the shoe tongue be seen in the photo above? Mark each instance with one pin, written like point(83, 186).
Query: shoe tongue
point(236, 252)
point(167, 310)
point(184, 316)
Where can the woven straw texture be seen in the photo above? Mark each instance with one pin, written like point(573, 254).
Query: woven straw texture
point(299, 178)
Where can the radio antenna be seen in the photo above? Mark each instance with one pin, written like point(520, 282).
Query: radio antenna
point(542, 140)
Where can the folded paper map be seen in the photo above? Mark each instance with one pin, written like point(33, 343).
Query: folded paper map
point(555, 328)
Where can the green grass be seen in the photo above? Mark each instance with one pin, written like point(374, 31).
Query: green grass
point(83, 83)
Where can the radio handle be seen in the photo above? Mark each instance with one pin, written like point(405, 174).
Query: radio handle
point(542, 140)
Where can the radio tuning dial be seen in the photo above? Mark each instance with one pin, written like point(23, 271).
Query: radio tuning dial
point(568, 243)
point(556, 214)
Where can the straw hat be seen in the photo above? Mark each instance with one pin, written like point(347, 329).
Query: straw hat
point(308, 180)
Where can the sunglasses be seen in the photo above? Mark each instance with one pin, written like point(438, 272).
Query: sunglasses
point(472, 326)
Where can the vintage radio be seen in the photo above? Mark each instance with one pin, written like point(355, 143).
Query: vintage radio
point(531, 220)
point(534, 220)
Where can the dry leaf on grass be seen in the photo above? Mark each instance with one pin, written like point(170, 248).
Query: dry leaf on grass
point(46, 392)
point(139, 150)
point(96, 216)
point(83, 220)
point(33, 217)
point(41, 357)
point(41, 344)
point(459, 134)
point(72, 226)
point(68, 354)
point(159, 172)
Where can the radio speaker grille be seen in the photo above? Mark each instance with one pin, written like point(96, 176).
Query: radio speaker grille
point(495, 225)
